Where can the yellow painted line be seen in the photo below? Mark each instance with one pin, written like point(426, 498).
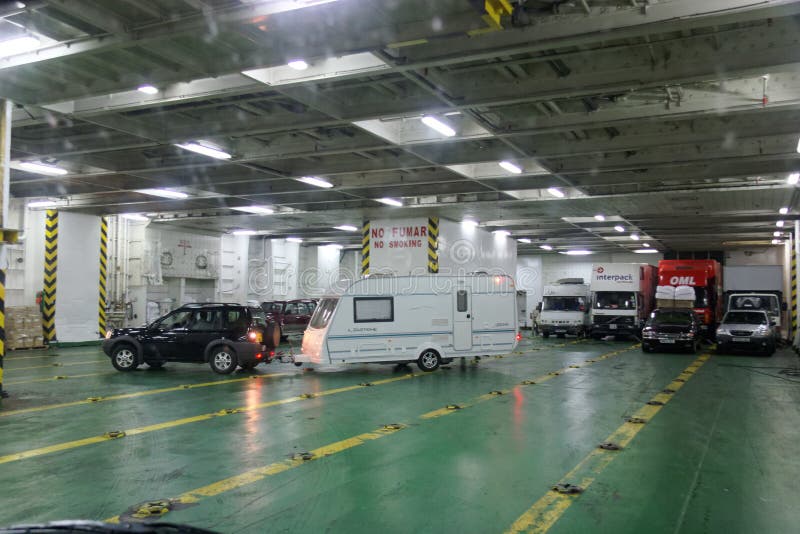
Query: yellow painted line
point(260, 473)
point(544, 513)
point(57, 364)
point(97, 400)
point(15, 358)
point(538, 380)
point(32, 453)
point(57, 378)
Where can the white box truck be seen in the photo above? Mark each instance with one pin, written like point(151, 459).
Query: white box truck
point(423, 319)
point(564, 308)
point(755, 287)
point(622, 298)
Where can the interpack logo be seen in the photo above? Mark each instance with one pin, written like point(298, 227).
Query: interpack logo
point(601, 276)
point(681, 281)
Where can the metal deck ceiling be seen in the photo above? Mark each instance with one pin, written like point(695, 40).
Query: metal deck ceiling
point(657, 113)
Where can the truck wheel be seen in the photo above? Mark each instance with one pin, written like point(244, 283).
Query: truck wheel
point(124, 357)
point(272, 336)
point(545, 334)
point(223, 360)
point(429, 360)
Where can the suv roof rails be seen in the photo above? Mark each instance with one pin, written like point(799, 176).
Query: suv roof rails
point(201, 304)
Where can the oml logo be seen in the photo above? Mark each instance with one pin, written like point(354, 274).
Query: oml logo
point(682, 281)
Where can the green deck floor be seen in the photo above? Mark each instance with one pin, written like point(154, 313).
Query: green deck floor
point(720, 456)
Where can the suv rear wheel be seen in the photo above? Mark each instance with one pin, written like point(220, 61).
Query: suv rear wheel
point(223, 360)
point(124, 357)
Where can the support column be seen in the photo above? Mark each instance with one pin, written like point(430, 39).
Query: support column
point(5, 178)
point(794, 287)
point(365, 249)
point(50, 269)
point(102, 300)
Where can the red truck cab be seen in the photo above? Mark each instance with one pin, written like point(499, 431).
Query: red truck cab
point(705, 276)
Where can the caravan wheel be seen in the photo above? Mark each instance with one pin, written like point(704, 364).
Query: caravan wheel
point(429, 360)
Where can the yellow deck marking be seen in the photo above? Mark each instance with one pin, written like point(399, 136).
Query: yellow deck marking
point(32, 453)
point(55, 379)
point(56, 355)
point(57, 364)
point(551, 506)
point(538, 380)
point(260, 473)
point(146, 393)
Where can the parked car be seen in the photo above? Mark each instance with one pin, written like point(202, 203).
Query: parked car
point(671, 328)
point(223, 335)
point(747, 330)
point(290, 315)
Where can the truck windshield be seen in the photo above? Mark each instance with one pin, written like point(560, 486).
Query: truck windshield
point(615, 300)
point(742, 317)
point(322, 315)
point(768, 303)
point(563, 304)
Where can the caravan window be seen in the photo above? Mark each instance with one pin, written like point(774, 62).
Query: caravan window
point(461, 300)
point(373, 309)
point(322, 315)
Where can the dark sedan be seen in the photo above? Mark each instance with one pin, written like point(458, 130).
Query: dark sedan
point(675, 328)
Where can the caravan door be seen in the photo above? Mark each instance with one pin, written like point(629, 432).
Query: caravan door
point(462, 320)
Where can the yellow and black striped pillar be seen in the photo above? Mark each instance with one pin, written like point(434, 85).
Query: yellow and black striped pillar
point(102, 300)
point(2, 326)
point(793, 289)
point(365, 249)
point(433, 244)
point(50, 268)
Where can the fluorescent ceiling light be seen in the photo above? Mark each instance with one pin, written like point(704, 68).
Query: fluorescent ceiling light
point(510, 167)
point(346, 228)
point(792, 179)
point(783, 211)
point(779, 224)
point(298, 64)
point(645, 244)
point(776, 241)
point(776, 233)
point(315, 181)
point(41, 168)
point(556, 192)
point(256, 210)
point(635, 237)
point(244, 232)
point(619, 228)
point(524, 240)
point(503, 233)
point(471, 223)
point(163, 193)
point(645, 251)
point(18, 45)
point(439, 126)
point(546, 247)
point(205, 150)
point(333, 246)
point(577, 252)
point(147, 89)
point(134, 217)
point(42, 204)
point(600, 217)
point(798, 145)
point(390, 202)
point(294, 240)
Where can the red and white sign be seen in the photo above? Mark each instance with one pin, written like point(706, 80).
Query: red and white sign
point(398, 246)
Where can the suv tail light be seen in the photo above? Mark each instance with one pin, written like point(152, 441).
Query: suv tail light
point(255, 336)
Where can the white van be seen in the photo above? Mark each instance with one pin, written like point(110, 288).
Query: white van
point(427, 319)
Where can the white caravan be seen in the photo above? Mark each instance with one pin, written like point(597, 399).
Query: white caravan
point(426, 319)
point(564, 308)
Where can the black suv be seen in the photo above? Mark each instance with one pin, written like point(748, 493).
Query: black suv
point(673, 328)
point(224, 335)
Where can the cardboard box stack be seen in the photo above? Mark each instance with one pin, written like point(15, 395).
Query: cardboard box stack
point(675, 297)
point(23, 327)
